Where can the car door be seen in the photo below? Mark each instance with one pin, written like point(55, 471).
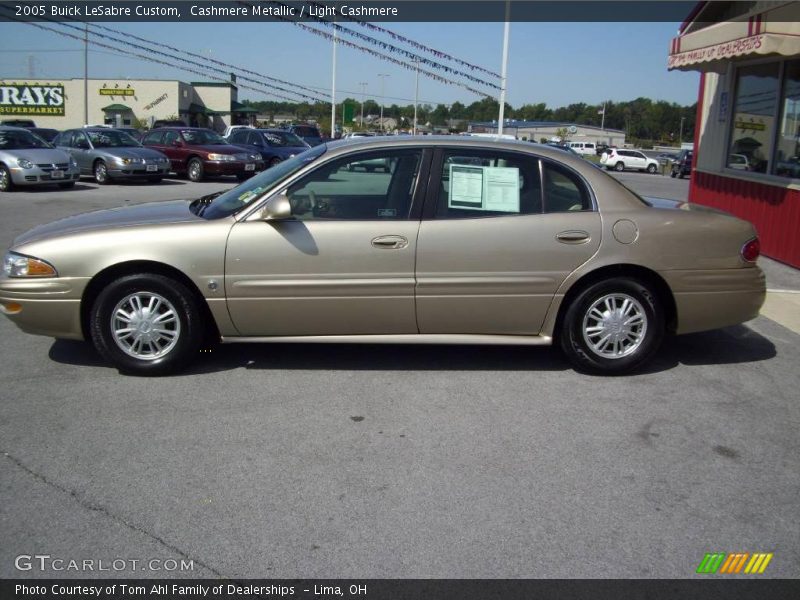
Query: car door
point(500, 233)
point(344, 264)
point(81, 151)
point(638, 160)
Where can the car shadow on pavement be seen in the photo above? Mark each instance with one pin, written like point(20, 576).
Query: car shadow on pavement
point(43, 189)
point(733, 345)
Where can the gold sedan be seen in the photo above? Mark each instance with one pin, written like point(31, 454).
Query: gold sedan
point(473, 241)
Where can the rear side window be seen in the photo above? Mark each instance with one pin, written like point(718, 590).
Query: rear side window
point(483, 183)
point(564, 191)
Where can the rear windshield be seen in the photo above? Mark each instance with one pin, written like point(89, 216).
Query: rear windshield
point(282, 138)
point(306, 131)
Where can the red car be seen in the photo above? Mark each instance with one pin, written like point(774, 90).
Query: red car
point(198, 152)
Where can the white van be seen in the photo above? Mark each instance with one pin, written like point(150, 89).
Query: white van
point(584, 148)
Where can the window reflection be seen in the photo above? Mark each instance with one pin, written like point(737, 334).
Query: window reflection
point(754, 117)
point(787, 148)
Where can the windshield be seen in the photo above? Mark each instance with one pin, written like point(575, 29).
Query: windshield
point(282, 138)
point(111, 139)
point(306, 131)
point(202, 137)
point(20, 140)
point(235, 199)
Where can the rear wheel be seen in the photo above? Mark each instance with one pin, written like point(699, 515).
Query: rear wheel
point(146, 324)
point(613, 326)
point(620, 166)
point(6, 185)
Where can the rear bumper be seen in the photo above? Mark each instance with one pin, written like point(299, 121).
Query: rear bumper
point(50, 307)
point(708, 300)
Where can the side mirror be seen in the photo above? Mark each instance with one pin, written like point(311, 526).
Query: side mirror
point(277, 208)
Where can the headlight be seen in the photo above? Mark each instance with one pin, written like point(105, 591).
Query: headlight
point(223, 157)
point(73, 162)
point(17, 265)
point(128, 161)
point(255, 157)
point(25, 163)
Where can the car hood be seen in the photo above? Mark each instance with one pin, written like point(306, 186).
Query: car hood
point(40, 155)
point(131, 152)
point(152, 213)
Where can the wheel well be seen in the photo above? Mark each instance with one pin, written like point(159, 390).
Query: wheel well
point(642, 274)
point(106, 276)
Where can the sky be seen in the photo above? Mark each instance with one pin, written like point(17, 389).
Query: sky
point(554, 63)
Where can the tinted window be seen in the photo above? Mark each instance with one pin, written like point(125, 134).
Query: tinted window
point(170, 137)
point(484, 184)
point(370, 186)
point(11, 139)
point(306, 131)
point(204, 137)
point(154, 137)
point(563, 191)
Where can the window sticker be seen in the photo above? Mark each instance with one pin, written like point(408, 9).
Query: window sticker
point(484, 188)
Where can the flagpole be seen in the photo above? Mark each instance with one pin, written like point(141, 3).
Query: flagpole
point(504, 71)
point(603, 120)
point(333, 87)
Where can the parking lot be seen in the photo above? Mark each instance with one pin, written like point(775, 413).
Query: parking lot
point(320, 461)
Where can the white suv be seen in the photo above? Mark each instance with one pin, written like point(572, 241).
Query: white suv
point(620, 160)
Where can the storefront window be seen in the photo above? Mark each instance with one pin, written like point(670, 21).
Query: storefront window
point(755, 108)
point(787, 144)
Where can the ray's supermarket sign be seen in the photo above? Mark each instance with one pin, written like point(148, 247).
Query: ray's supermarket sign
point(21, 99)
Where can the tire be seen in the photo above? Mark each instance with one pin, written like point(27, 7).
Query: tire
point(620, 166)
point(673, 174)
point(67, 185)
point(154, 179)
point(652, 169)
point(100, 172)
point(680, 174)
point(147, 351)
point(596, 340)
point(194, 169)
point(6, 185)
point(277, 160)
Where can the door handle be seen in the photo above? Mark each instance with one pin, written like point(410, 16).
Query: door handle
point(574, 236)
point(390, 242)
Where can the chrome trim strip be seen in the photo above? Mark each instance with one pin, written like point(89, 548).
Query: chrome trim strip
point(419, 338)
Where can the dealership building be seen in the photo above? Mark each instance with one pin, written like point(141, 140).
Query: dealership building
point(535, 131)
point(747, 137)
point(60, 104)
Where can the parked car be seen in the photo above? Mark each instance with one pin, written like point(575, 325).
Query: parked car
point(468, 240)
point(274, 145)
point(666, 158)
point(601, 148)
point(109, 154)
point(198, 152)
point(583, 148)
point(26, 159)
point(310, 134)
point(231, 128)
point(631, 160)
point(740, 162)
point(26, 123)
point(48, 135)
point(682, 165)
point(169, 123)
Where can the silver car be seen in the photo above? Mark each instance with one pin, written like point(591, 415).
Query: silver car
point(26, 159)
point(462, 241)
point(108, 154)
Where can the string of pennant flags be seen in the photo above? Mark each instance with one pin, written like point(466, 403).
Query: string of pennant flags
point(402, 39)
point(268, 92)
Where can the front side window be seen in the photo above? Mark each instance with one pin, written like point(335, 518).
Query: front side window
point(486, 184)
point(754, 111)
point(375, 185)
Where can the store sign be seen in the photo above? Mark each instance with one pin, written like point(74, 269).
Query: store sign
point(117, 92)
point(47, 100)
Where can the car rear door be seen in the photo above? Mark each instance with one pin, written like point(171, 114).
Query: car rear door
point(344, 264)
point(500, 233)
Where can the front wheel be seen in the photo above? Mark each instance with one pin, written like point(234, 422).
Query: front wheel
point(6, 185)
point(619, 166)
point(612, 327)
point(100, 173)
point(146, 324)
point(195, 169)
point(652, 169)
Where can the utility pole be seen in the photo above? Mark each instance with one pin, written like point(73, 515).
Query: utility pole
point(504, 72)
point(603, 118)
point(363, 99)
point(383, 77)
point(333, 86)
point(680, 135)
point(86, 73)
point(416, 99)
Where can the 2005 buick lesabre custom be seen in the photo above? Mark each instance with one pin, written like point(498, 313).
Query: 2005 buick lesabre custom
point(461, 241)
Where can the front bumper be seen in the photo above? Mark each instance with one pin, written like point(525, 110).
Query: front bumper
point(47, 306)
point(215, 167)
point(135, 171)
point(44, 175)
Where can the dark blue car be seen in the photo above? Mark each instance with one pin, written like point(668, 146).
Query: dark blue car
point(274, 145)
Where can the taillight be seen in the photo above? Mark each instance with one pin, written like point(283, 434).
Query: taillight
point(751, 250)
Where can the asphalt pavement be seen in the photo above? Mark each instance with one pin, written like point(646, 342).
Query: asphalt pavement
point(321, 461)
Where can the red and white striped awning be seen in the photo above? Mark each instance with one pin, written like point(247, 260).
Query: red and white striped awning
point(709, 48)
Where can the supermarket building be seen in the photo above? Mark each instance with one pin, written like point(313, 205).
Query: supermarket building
point(59, 104)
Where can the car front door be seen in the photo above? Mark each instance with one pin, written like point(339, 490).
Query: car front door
point(344, 263)
point(500, 233)
point(81, 150)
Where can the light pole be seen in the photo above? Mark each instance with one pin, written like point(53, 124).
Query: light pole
point(680, 134)
point(504, 72)
point(416, 99)
point(333, 87)
point(363, 99)
point(86, 73)
point(383, 77)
